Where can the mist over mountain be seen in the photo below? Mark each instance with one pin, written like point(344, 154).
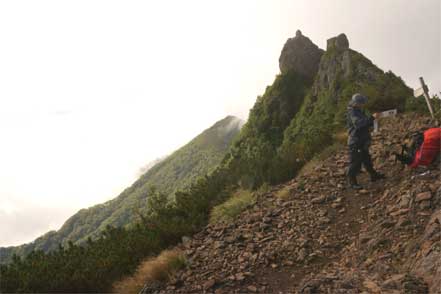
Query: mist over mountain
point(151, 164)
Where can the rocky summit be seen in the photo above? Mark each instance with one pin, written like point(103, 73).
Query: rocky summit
point(300, 55)
point(322, 237)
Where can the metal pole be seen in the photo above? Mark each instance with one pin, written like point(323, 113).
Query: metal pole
point(426, 95)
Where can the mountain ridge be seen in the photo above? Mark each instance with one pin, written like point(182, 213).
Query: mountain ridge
point(209, 146)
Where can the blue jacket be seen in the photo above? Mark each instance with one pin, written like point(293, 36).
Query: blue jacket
point(359, 125)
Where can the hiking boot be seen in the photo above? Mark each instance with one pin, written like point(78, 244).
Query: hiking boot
point(353, 183)
point(377, 176)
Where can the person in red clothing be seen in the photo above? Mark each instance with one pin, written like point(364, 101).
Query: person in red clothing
point(424, 150)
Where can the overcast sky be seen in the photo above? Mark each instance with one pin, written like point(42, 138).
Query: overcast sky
point(91, 91)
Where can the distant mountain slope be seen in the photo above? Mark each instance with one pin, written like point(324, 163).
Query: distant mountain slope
point(197, 158)
point(149, 165)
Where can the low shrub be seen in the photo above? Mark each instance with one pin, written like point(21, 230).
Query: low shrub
point(228, 210)
point(419, 105)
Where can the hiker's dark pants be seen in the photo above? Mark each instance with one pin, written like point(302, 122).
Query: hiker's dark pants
point(358, 157)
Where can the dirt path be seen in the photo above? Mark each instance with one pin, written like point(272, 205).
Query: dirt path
point(347, 217)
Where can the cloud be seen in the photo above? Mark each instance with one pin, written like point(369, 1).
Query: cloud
point(22, 224)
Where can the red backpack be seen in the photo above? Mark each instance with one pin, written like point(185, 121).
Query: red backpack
point(429, 149)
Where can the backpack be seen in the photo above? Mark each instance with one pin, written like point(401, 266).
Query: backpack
point(424, 148)
point(408, 152)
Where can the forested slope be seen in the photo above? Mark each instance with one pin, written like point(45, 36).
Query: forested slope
point(177, 171)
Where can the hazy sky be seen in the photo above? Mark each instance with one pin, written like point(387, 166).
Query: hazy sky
point(91, 91)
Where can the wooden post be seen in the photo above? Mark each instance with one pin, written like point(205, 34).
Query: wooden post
point(426, 96)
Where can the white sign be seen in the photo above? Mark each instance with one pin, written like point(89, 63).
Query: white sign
point(388, 113)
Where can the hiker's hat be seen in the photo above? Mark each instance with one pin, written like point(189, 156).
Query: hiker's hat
point(358, 99)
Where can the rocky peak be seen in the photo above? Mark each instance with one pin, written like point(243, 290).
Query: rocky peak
point(301, 55)
point(341, 63)
point(340, 43)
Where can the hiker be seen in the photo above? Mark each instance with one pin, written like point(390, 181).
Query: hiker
point(359, 127)
point(424, 149)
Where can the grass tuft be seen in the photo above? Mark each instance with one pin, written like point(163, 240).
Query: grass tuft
point(228, 210)
point(284, 193)
point(156, 269)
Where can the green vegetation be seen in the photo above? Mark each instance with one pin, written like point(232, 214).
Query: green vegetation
point(96, 265)
point(253, 156)
point(74, 268)
point(231, 208)
point(419, 105)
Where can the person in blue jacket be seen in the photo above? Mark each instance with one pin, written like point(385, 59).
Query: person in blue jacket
point(359, 140)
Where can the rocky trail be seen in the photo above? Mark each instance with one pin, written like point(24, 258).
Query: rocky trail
point(325, 238)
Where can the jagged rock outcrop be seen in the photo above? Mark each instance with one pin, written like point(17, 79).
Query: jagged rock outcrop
point(340, 43)
point(325, 238)
point(300, 55)
point(335, 65)
point(340, 65)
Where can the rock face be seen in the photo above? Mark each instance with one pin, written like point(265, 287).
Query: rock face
point(340, 43)
point(301, 55)
point(340, 63)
